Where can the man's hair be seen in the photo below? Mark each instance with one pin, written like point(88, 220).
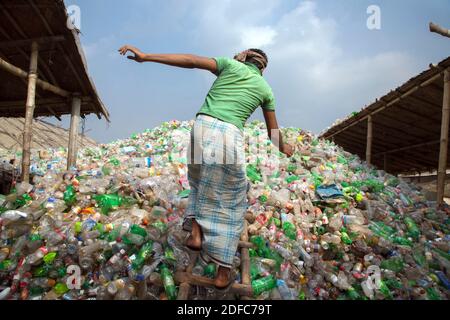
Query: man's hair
point(256, 63)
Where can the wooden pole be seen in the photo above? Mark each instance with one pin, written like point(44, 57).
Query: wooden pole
point(245, 260)
point(29, 112)
point(24, 75)
point(73, 133)
point(185, 287)
point(369, 140)
point(442, 170)
point(439, 30)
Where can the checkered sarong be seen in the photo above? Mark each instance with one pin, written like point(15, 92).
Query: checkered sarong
point(217, 178)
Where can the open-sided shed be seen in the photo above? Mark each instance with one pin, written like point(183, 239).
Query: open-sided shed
point(43, 71)
point(405, 131)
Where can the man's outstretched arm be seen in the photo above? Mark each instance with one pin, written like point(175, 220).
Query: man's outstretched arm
point(189, 61)
point(275, 133)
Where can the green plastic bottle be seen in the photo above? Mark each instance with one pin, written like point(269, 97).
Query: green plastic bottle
point(289, 230)
point(108, 201)
point(385, 290)
point(412, 228)
point(402, 241)
point(169, 284)
point(395, 264)
point(353, 294)
point(264, 284)
point(210, 271)
point(70, 196)
point(291, 179)
point(50, 257)
point(432, 294)
point(60, 289)
point(345, 237)
point(5, 264)
point(142, 255)
point(253, 174)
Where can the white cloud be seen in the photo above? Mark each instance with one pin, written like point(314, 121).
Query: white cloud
point(258, 37)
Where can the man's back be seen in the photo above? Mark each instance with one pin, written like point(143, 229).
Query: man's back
point(237, 92)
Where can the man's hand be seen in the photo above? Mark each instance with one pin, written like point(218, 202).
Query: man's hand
point(287, 149)
point(138, 55)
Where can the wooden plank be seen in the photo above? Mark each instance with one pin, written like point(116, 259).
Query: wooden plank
point(369, 140)
point(415, 146)
point(236, 288)
point(245, 260)
point(444, 139)
point(31, 96)
point(74, 132)
point(27, 42)
point(22, 74)
point(439, 30)
point(185, 287)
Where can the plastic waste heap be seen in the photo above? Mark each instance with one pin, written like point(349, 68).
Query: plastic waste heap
point(323, 224)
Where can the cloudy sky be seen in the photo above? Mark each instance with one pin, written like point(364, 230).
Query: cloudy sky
point(324, 62)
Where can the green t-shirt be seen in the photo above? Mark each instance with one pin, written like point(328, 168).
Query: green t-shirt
point(238, 90)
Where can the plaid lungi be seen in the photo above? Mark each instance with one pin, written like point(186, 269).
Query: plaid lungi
point(217, 178)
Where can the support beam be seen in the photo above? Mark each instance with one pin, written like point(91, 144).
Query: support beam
point(73, 133)
point(439, 30)
point(22, 74)
point(347, 124)
point(31, 97)
point(415, 146)
point(444, 139)
point(369, 140)
point(27, 42)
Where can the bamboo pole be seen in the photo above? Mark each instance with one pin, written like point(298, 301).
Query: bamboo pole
point(185, 287)
point(442, 170)
point(30, 105)
point(439, 30)
point(41, 83)
point(245, 260)
point(237, 288)
point(73, 133)
point(369, 140)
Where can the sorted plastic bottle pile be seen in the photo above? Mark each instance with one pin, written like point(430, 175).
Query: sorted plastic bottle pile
point(323, 225)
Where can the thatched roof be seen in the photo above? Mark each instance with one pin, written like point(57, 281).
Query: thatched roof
point(406, 125)
point(61, 61)
point(45, 135)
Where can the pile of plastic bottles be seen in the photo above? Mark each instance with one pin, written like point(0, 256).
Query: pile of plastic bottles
point(323, 225)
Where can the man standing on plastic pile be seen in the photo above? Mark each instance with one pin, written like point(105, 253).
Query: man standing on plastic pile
point(216, 170)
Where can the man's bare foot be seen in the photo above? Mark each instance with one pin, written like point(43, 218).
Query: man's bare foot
point(223, 278)
point(194, 242)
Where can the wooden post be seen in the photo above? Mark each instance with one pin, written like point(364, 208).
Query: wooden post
point(29, 112)
point(73, 133)
point(439, 30)
point(385, 164)
point(442, 170)
point(369, 141)
point(245, 260)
